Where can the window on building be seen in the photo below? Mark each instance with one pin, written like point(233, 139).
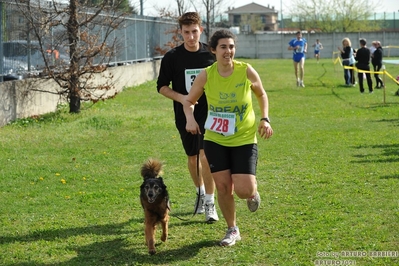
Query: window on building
point(236, 19)
point(263, 18)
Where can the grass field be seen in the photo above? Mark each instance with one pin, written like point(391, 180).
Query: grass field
point(328, 178)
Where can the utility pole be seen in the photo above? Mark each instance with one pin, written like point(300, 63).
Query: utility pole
point(1, 42)
point(281, 16)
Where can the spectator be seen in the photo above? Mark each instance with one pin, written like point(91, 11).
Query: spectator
point(376, 61)
point(347, 60)
point(363, 63)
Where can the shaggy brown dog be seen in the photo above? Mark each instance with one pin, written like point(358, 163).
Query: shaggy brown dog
point(155, 201)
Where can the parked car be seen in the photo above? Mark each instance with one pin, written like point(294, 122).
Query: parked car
point(18, 53)
point(15, 69)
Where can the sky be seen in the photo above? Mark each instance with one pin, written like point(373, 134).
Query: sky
point(150, 10)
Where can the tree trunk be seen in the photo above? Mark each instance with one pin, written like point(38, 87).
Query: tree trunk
point(74, 104)
point(73, 37)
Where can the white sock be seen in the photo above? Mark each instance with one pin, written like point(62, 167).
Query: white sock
point(201, 189)
point(210, 198)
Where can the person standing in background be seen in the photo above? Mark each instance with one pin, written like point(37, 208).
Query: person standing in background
point(299, 47)
point(373, 48)
point(347, 60)
point(363, 63)
point(376, 61)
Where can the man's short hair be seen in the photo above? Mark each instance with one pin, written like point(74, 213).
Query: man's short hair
point(189, 18)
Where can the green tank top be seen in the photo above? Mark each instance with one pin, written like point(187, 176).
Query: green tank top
point(231, 94)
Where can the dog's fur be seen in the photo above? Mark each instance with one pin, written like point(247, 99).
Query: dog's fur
point(155, 201)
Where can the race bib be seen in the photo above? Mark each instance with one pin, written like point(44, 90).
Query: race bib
point(299, 50)
point(190, 75)
point(222, 123)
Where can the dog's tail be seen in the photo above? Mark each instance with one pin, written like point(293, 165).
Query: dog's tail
point(152, 168)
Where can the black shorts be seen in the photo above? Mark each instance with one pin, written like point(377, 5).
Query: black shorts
point(240, 160)
point(191, 143)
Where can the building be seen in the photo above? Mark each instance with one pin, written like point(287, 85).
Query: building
point(254, 17)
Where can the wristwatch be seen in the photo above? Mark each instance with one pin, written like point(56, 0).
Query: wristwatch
point(265, 119)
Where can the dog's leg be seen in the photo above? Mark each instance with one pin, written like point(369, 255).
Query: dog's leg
point(150, 227)
point(165, 223)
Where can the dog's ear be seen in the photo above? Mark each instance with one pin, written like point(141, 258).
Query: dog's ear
point(163, 184)
point(168, 203)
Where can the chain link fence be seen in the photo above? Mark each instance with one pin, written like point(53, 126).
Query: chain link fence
point(137, 40)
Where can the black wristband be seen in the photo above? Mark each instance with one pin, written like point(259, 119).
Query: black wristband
point(265, 119)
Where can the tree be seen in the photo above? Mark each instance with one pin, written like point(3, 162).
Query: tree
point(334, 15)
point(253, 20)
point(211, 12)
point(176, 39)
point(181, 7)
point(82, 35)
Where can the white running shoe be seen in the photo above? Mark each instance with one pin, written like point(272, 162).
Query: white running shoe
point(232, 235)
point(254, 202)
point(210, 212)
point(199, 206)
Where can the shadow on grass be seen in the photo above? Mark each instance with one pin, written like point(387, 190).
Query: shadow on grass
point(389, 153)
point(116, 252)
point(390, 176)
point(382, 105)
point(119, 251)
point(394, 122)
point(52, 234)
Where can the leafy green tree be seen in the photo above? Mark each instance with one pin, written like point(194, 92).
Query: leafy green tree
point(334, 15)
point(253, 20)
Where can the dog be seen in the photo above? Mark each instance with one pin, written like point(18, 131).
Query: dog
point(154, 199)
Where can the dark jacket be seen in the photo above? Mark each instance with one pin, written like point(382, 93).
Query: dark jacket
point(363, 58)
point(377, 57)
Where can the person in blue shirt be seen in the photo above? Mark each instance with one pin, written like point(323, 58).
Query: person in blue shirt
point(299, 47)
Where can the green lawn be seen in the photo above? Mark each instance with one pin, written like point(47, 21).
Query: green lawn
point(328, 178)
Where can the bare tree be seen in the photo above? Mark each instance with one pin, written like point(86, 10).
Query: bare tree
point(181, 7)
point(75, 42)
point(174, 31)
point(211, 12)
point(334, 15)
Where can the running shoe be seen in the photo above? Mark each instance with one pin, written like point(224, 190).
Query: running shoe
point(199, 206)
point(232, 235)
point(210, 212)
point(253, 203)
